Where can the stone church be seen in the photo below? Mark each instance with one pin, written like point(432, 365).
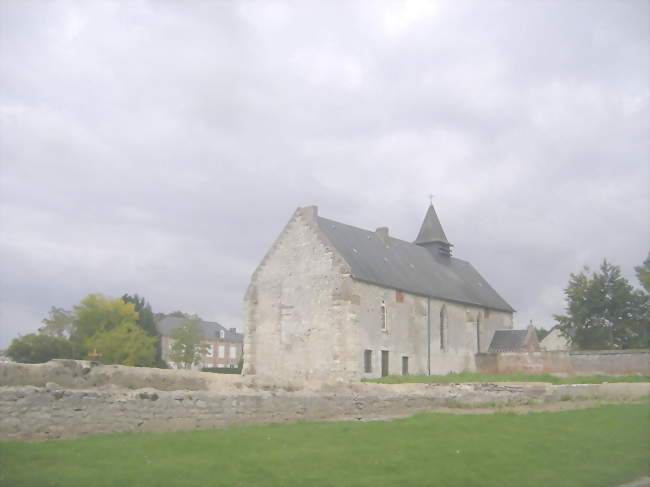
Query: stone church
point(332, 301)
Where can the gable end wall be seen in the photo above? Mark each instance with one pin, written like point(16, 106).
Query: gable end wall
point(297, 312)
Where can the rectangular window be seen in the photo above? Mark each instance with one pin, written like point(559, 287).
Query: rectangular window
point(367, 361)
point(399, 297)
point(222, 351)
point(405, 366)
point(486, 313)
point(383, 316)
point(209, 351)
point(233, 352)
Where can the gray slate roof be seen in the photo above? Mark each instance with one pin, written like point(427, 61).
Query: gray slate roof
point(409, 267)
point(508, 341)
point(211, 329)
point(431, 229)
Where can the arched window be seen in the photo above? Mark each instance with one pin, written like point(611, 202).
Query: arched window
point(443, 327)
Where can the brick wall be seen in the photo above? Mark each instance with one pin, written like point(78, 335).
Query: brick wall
point(592, 362)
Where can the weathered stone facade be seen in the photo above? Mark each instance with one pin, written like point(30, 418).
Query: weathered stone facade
point(307, 317)
point(297, 309)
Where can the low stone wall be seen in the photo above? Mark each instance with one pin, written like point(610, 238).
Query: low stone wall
point(605, 362)
point(610, 362)
point(40, 409)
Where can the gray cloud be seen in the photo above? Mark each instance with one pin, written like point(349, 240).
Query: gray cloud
point(159, 147)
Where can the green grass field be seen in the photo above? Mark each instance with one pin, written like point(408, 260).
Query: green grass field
point(591, 447)
point(475, 377)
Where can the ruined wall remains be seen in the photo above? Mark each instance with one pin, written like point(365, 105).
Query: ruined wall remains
point(588, 362)
point(90, 398)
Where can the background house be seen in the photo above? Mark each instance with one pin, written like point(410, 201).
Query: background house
point(332, 301)
point(555, 340)
point(224, 345)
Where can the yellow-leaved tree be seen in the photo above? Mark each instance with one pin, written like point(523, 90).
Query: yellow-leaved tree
point(107, 328)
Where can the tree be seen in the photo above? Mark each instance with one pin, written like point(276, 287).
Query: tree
point(604, 311)
point(147, 322)
point(38, 348)
point(126, 344)
point(186, 349)
point(58, 323)
point(173, 314)
point(97, 314)
point(145, 319)
point(643, 273)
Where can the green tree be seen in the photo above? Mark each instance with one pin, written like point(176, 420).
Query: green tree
point(603, 311)
point(186, 349)
point(58, 323)
point(38, 348)
point(643, 273)
point(147, 322)
point(173, 314)
point(97, 314)
point(146, 317)
point(126, 344)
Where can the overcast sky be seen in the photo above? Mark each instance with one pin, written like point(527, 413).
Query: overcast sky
point(160, 147)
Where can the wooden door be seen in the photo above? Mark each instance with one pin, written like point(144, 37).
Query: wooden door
point(384, 363)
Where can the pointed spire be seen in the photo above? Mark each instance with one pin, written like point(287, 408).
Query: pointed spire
point(431, 229)
point(432, 235)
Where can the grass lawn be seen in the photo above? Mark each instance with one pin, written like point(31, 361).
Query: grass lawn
point(475, 377)
point(591, 447)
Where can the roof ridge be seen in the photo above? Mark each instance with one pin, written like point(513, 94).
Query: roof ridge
point(408, 266)
point(390, 237)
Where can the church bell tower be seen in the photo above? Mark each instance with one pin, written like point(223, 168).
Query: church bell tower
point(432, 236)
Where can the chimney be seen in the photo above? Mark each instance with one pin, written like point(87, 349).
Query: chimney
point(309, 211)
point(382, 233)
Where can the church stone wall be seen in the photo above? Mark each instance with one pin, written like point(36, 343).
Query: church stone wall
point(296, 309)
point(407, 331)
point(306, 318)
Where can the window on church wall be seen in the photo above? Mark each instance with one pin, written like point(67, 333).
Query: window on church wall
point(478, 332)
point(399, 297)
point(486, 314)
point(383, 316)
point(443, 328)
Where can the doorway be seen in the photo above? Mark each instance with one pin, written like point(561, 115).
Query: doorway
point(384, 363)
point(405, 366)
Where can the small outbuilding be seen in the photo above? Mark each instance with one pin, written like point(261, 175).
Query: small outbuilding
point(515, 341)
